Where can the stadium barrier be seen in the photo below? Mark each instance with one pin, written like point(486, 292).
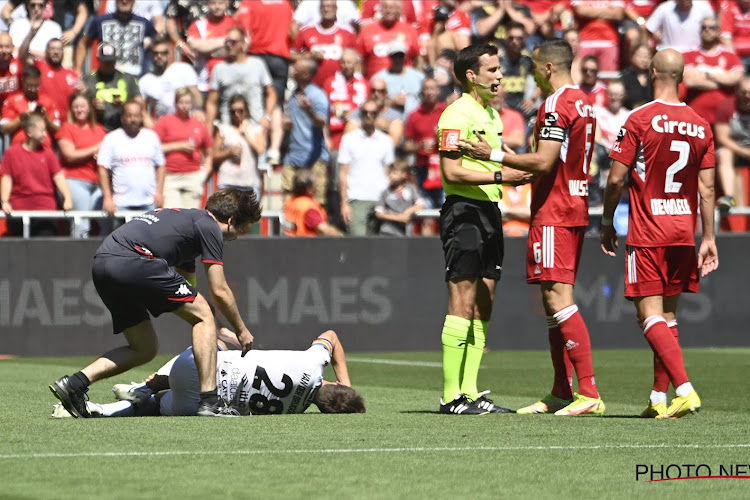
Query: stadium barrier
point(379, 294)
point(270, 221)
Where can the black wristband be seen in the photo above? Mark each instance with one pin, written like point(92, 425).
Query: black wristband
point(498, 177)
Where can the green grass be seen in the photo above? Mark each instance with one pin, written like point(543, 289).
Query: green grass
point(399, 449)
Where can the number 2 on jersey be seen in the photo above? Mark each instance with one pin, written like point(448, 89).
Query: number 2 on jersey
point(682, 147)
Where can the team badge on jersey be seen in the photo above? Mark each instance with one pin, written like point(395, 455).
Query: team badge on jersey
point(449, 139)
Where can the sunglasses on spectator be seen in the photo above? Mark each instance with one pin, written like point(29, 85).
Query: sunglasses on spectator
point(37, 5)
point(232, 41)
point(712, 28)
point(367, 112)
point(379, 90)
point(590, 70)
point(237, 110)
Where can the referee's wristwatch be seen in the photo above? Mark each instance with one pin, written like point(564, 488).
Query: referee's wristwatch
point(498, 177)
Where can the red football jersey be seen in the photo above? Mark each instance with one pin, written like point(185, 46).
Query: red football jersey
point(329, 42)
point(597, 29)
point(373, 44)
point(10, 79)
point(561, 198)
point(16, 104)
point(735, 24)
point(665, 146)
point(719, 60)
point(267, 22)
point(345, 98)
point(58, 83)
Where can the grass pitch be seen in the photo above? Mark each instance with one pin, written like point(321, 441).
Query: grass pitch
point(401, 448)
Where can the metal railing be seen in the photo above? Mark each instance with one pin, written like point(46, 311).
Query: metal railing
point(76, 217)
point(272, 218)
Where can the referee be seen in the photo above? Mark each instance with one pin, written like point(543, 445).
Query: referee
point(471, 228)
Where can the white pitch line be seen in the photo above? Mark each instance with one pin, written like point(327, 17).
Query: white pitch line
point(399, 362)
point(368, 450)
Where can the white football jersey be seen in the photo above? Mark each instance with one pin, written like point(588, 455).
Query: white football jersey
point(271, 382)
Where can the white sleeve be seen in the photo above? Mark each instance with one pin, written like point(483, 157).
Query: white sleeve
point(105, 157)
point(655, 20)
point(390, 153)
point(188, 76)
point(345, 155)
point(158, 154)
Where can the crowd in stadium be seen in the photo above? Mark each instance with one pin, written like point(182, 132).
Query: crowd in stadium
point(327, 109)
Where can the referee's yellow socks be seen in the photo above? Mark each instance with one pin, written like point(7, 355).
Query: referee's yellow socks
point(474, 351)
point(455, 333)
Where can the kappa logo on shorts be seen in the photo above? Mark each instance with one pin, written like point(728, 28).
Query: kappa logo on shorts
point(449, 139)
point(183, 290)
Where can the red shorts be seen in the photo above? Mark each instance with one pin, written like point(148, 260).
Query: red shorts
point(553, 252)
point(663, 271)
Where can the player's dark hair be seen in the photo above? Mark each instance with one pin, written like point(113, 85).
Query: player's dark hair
point(302, 183)
point(241, 206)
point(557, 51)
point(333, 398)
point(31, 71)
point(468, 59)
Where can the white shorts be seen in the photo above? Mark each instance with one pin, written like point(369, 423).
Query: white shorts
point(184, 396)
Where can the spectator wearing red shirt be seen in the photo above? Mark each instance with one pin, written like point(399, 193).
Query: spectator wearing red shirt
point(205, 39)
point(735, 28)
point(186, 144)
point(58, 82)
point(325, 42)
point(347, 91)
point(732, 129)
point(264, 21)
point(372, 12)
point(420, 133)
point(78, 140)
point(590, 83)
point(443, 27)
point(29, 174)
point(597, 23)
point(711, 73)
point(10, 68)
point(28, 99)
point(374, 39)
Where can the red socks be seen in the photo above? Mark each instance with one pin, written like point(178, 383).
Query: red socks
point(563, 384)
point(661, 377)
point(663, 342)
point(578, 347)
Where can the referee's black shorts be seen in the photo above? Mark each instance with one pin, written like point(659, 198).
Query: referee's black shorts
point(132, 287)
point(472, 236)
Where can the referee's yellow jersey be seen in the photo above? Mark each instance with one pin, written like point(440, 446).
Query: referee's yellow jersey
point(461, 120)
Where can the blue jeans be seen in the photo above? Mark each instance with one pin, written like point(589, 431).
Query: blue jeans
point(86, 196)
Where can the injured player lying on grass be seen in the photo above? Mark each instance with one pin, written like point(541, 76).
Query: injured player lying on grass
point(260, 383)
